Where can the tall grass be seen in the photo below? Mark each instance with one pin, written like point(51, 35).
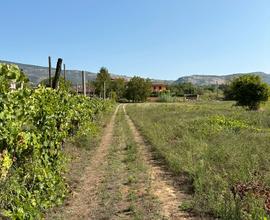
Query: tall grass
point(219, 147)
point(166, 97)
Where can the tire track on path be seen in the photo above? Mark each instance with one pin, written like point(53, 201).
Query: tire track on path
point(161, 186)
point(83, 203)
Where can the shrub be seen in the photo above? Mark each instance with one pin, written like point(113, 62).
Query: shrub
point(248, 91)
point(166, 97)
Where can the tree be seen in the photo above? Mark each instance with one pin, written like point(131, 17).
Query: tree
point(249, 91)
point(227, 92)
point(102, 82)
point(184, 88)
point(138, 89)
point(118, 86)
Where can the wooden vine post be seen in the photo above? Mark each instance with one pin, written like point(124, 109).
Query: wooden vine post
point(50, 71)
point(77, 88)
point(56, 79)
point(64, 71)
point(83, 83)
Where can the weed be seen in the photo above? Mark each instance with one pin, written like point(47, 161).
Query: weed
point(217, 146)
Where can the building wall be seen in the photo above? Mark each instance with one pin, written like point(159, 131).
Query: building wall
point(158, 88)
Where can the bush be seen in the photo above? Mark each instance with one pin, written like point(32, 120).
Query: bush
point(248, 91)
point(166, 97)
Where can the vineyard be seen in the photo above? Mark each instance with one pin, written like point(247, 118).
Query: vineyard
point(34, 125)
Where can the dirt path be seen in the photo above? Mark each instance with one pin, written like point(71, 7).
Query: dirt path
point(124, 194)
point(123, 181)
point(162, 187)
point(83, 203)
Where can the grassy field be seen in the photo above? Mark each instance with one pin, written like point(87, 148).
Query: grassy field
point(223, 150)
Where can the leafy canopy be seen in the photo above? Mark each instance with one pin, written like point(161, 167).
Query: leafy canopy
point(34, 125)
point(138, 89)
point(64, 84)
point(10, 74)
point(103, 80)
point(249, 91)
point(118, 86)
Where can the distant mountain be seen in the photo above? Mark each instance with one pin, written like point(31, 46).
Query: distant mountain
point(214, 79)
point(38, 73)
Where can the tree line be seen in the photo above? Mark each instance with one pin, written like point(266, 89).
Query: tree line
point(136, 89)
point(249, 91)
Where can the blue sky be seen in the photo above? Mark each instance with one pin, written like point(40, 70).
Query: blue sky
point(162, 39)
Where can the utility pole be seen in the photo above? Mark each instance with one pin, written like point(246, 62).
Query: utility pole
point(83, 83)
point(50, 71)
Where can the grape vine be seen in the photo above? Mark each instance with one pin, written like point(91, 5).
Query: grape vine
point(33, 125)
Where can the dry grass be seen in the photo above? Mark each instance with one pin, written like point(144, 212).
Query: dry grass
point(216, 146)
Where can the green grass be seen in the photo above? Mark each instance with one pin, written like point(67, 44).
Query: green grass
point(217, 146)
point(124, 192)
